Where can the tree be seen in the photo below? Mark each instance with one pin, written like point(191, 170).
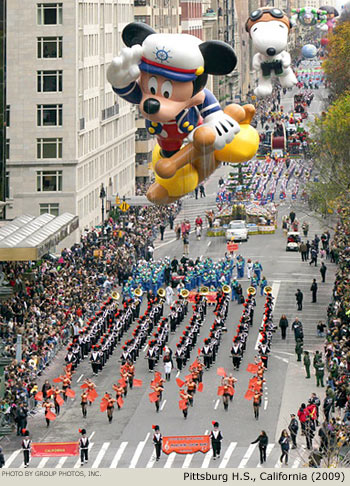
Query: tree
point(331, 152)
point(337, 64)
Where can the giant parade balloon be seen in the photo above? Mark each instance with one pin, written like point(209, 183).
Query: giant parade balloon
point(309, 51)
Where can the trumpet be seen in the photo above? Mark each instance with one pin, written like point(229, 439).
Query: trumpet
point(115, 295)
point(161, 293)
point(251, 291)
point(138, 292)
point(226, 289)
point(204, 290)
point(184, 293)
point(267, 290)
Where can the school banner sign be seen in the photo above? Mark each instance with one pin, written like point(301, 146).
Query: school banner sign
point(211, 297)
point(54, 449)
point(186, 444)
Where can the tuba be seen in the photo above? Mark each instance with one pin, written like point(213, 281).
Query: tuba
point(138, 292)
point(251, 291)
point(161, 293)
point(115, 295)
point(226, 289)
point(267, 290)
point(204, 290)
point(184, 293)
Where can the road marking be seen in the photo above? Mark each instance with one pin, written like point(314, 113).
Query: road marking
point(170, 460)
point(268, 452)
point(100, 454)
point(144, 349)
point(178, 374)
point(11, 458)
point(80, 377)
point(247, 455)
point(43, 462)
point(207, 458)
point(163, 244)
point(118, 455)
point(209, 243)
point(151, 461)
point(92, 434)
point(187, 461)
point(265, 404)
point(138, 452)
point(77, 464)
point(216, 403)
point(275, 289)
point(163, 405)
point(228, 455)
point(61, 462)
point(296, 463)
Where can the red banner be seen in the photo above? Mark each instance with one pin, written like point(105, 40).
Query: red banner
point(211, 296)
point(232, 247)
point(186, 444)
point(54, 449)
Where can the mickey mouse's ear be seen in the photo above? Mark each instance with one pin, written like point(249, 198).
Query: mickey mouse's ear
point(135, 33)
point(219, 57)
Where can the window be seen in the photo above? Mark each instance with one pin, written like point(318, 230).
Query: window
point(49, 47)
point(7, 185)
point(7, 153)
point(49, 13)
point(49, 148)
point(51, 208)
point(49, 115)
point(49, 180)
point(7, 116)
point(49, 81)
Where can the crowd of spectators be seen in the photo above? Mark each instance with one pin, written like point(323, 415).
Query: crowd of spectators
point(51, 296)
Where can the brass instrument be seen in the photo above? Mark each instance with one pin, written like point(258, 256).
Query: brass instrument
point(115, 295)
point(251, 291)
point(267, 290)
point(138, 292)
point(204, 290)
point(226, 289)
point(161, 293)
point(184, 293)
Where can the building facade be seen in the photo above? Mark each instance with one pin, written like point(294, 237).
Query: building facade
point(68, 132)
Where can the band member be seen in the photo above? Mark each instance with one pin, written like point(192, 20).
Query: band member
point(236, 353)
point(26, 447)
point(66, 382)
point(186, 399)
point(84, 447)
point(57, 400)
point(110, 406)
point(158, 389)
point(256, 403)
point(47, 405)
point(119, 390)
point(83, 403)
point(157, 441)
point(95, 361)
point(216, 438)
point(131, 374)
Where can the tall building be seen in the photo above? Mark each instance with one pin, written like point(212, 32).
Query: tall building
point(164, 17)
point(68, 133)
point(3, 111)
point(191, 17)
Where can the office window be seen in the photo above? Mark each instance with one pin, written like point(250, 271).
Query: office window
point(49, 180)
point(7, 185)
point(49, 47)
point(7, 122)
point(7, 153)
point(49, 148)
point(51, 208)
point(49, 115)
point(49, 81)
point(49, 13)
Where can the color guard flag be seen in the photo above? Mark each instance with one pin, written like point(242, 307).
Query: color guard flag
point(220, 391)
point(92, 395)
point(59, 400)
point(50, 415)
point(57, 380)
point(180, 382)
point(249, 394)
point(137, 383)
point(84, 386)
point(103, 405)
point(70, 393)
point(200, 387)
point(153, 397)
point(39, 396)
point(120, 402)
point(221, 372)
point(183, 404)
point(252, 368)
point(49, 392)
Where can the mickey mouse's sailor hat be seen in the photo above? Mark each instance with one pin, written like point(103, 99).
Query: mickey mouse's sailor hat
point(174, 56)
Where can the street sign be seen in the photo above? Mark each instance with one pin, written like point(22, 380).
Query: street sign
point(117, 200)
point(124, 206)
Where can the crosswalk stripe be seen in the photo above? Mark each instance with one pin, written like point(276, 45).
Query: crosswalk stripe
point(100, 455)
point(11, 458)
point(170, 460)
point(247, 455)
point(268, 452)
point(227, 455)
point(118, 455)
point(278, 464)
point(138, 452)
point(61, 462)
point(43, 462)
point(77, 464)
point(207, 458)
point(187, 461)
point(296, 463)
point(151, 461)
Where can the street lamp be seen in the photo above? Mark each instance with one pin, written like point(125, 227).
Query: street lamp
point(102, 197)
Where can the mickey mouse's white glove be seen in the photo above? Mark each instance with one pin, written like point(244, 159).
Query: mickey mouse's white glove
point(224, 126)
point(124, 69)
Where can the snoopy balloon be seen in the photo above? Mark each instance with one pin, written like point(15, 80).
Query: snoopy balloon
point(165, 74)
point(269, 29)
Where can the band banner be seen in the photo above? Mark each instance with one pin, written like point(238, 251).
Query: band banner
point(54, 449)
point(232, 247)
point(186, 444)
point(211, 296)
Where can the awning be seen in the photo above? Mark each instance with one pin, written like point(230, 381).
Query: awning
point(29, 238)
